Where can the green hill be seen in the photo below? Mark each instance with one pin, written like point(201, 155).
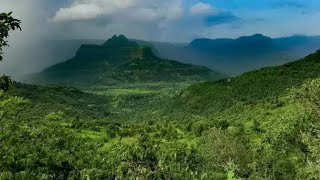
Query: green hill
point(117, 61)
point(252, 87)
point(73, 102)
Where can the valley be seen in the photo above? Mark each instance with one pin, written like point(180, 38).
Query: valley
point(158, 129)
point(116, 110)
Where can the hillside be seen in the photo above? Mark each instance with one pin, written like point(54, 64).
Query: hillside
point(247, 123)
point(72, 102)
point(117, 61)
point(252, 87)
point(134, 130)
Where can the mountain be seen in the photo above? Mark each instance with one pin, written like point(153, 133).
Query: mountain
point(50, 52)
point(232, 56)
point(243, 54)
point(252, 87)
point(240, 45)
point(119, 60)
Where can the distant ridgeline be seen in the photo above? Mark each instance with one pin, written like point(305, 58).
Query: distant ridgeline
point(243, 54)
point(119, 60)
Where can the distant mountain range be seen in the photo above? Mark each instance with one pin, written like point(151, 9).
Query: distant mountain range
point(119, 60)
point(236, 56)
point(232, 56)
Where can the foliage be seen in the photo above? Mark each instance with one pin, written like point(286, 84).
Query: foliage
point(47, 148)
point(308, 95)
point(71, 101)
point(53, 144)
point(224, 152)
point(264, 85)
point(7, 23)
point(5, 83)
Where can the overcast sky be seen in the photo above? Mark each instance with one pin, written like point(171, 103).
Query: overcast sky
point(165, 20)
point(157, 20)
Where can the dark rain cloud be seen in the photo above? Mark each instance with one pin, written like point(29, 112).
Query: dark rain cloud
point(221, 18)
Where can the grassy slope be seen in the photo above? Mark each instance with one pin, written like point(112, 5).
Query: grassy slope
point(71, 101)
point(250, 88)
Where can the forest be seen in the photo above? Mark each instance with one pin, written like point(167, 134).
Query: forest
point(161, 120)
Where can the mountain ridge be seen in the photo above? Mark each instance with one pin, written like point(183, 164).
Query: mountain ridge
point(242, 54)
point(292, 48)
point(120, 60)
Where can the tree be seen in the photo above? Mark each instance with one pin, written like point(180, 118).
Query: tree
point(5, 83)
point(7, 23)
point(226, 152)
point(309, 132)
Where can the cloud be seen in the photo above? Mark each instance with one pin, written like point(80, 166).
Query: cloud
point(289, 4)
point(19, 58)
point(154, 20)
point(159, 20)
point(78, 12)
point(144, 15)
point(221, 18)
point(90, 9)
point(142, 19)
point(140, 10)
point(301, 8)
point(201, 8)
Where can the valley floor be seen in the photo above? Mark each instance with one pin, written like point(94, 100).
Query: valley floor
point(142, 131)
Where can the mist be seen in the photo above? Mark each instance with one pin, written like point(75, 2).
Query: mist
point(23, 54)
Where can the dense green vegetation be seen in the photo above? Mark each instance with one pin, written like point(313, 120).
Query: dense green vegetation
point(250, 88)
point(53, 144)
point(73, 102)
point(277, 143)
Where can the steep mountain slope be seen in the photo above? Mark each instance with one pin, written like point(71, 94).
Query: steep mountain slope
point(50, 52)
point(120, 60)
point(243, 54)
point(252, 87)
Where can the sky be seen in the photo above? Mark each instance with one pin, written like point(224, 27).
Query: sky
point(165, 20)
point(154, 20)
